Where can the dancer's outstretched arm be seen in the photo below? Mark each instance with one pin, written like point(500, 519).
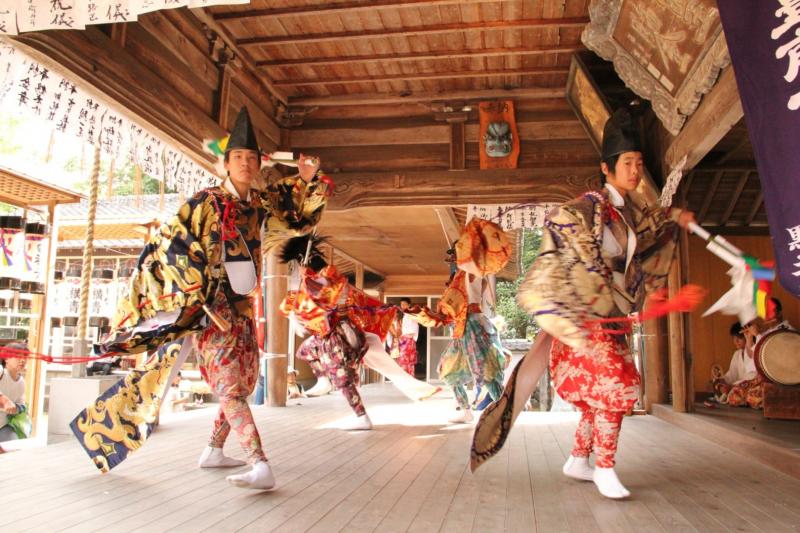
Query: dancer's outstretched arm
point(377, 359)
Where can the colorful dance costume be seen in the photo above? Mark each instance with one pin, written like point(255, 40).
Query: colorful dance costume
point(182, 292)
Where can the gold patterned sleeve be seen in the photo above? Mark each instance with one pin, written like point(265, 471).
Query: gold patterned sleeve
point(568, 281)
point(656, 242)
point(293, 208)
point(173, 273)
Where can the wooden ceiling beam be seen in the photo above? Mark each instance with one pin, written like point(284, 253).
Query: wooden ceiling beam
point(341, 8)
point(737, 193)
point(531, 93)
point(338, 252)
point(462, 187)
point(427, 134)
point(426, 76)
point(719, 111)
point(566, 22)
point(712, 190)
point(756, 207)
point(421, 56)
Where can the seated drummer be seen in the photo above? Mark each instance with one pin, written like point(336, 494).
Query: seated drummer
point(741, 385)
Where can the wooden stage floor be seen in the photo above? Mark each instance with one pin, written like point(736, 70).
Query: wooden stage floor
point(409, 474)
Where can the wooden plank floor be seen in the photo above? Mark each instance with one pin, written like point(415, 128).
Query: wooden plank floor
point(409, 474)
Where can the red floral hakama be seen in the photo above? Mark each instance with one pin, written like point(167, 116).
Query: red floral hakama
point(602, 381)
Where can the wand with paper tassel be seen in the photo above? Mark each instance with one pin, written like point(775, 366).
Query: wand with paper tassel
point(751, 279)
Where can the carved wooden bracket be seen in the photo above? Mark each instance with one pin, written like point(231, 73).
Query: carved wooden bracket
point(455, 111)
point(673, 104)
point(291, 117)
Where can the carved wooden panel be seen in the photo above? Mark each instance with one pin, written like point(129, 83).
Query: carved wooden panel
point(586, 100)
point(667, 51)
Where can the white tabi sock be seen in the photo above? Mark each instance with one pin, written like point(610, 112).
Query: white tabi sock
point(609, 484)
point(321, 387)
point(578, 468)
point(357, 423)
point(214, 458)
point(464, 416)
point(259, 478)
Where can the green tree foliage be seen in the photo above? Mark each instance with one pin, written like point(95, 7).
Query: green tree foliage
point(10, 143)
point(518, 324)
point(124, 178)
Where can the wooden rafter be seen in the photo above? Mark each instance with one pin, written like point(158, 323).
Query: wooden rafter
point(340, 8)
point(756, 207)
point(685, 187)
point(737, 193)
point(566, 22)
point(532, 93)
point(712, 190)
point(242, 56)
point(727, 155)
point(459, 74)
point(421, 56)
point(449, 188)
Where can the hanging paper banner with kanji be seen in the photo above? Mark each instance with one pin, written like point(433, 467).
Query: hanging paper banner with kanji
point(106, 12)
point(38, 91)
point(511, 216)
point(38, 15)
point(8, 20)
point(17, 16)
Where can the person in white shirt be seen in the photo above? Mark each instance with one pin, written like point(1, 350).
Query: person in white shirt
point(741, 384)
point(12, 392)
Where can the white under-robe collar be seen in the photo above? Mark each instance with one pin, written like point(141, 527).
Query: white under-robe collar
point(617, 200)
point(228, 186)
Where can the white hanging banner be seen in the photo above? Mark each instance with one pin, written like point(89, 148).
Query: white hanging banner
point(207, 3)
point(113, 140)
point(8, 20)
point(149, 150)
point(173, 159)
point(88, 117)
point(10, 63)
point(105, 11)
point(146, 6)
point(511, 216)
point(38, 15)
point(38, 91)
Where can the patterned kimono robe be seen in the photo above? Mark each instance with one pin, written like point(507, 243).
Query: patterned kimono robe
point(475, 353)
point(179, 271)
point(338, 343)
point(599, 258)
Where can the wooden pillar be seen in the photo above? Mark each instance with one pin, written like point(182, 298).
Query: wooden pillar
point(119, 33)
point(277, 331)
point(330, 256)
point(457, 145)
point(359, 276)
point(656, 349)
point(286, 140)
point(40, 330)
point(686, 328)
point(677, 360)
point(223, 97)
